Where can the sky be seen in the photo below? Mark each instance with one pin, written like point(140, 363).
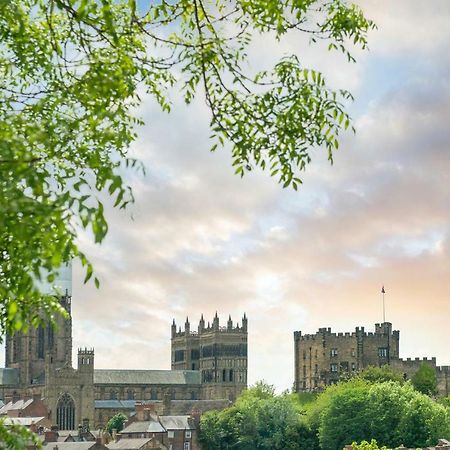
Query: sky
point(200, 239)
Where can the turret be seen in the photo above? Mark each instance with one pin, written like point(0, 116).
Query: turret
point(201, 324)
point(187, 326)
point(229, 323)
point(85, 359)
point(174, 328)
point(216, 322)
point(244, 323)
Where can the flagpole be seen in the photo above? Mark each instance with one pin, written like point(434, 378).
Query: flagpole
point(384, 309)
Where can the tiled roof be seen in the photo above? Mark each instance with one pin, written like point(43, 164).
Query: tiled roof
point(175, 422)
point(24, 421)
point(128, 377)
point(9, 376)
point(115, 404)
point(128, 444)
point(148, 426)
point(69, 445)
point(20, 404)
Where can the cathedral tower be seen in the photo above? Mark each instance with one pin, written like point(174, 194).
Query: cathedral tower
point(27, 351)
point(219, 353)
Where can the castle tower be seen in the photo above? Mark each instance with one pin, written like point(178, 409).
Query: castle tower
point(27, 351)
point(219, 353)
point(324, 357)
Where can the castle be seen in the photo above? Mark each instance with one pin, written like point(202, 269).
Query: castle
point(210, 364)
point(323, 358)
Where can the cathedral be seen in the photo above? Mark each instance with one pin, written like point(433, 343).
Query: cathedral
point(207, 364)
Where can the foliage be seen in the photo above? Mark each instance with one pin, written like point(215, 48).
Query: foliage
point(116, 423)
point(70, 73)
point(374, 374)
point(364, 445)
point(444, 401)
point(424, 380)
point(16, 437)
point(388, 412)
point(255, 422)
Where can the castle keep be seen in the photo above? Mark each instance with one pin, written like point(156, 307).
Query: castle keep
point(324, 357)
point(207, 365)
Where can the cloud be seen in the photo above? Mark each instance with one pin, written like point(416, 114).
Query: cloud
point(200, 239)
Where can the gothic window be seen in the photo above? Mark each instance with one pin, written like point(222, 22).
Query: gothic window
point(153, 394)
point(130, 394)
point(224, 375)
point(65, 413)
point(40, 342)
point(113, 395)
point(231, 375)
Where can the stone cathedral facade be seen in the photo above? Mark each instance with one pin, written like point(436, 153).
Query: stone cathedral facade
point(210, 364)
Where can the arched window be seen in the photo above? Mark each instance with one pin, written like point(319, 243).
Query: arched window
point(130, 394)
point(113, 395)
point(40, 342)
point(65, 413)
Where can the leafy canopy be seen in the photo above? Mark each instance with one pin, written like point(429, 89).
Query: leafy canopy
point(116, 423)
point(374, 374)
point(424, 380)
point(258, 420)
point(73, 71)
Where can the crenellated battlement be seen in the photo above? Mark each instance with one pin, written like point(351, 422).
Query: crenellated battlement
point(210, 327)
point(86, 351)
point(382, 329)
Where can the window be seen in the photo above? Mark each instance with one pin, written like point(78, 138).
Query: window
point(353, 353)
point(353, 366)
point(333, 368)
point(333, 352)
point(40, 346)
point(170, 434)
point(187, 446)
point(188, 434)
point(304, 354)
point(315, 353)
point(382, 352)
point(65, 413)
point(231, 374)
point(316, 369)
point(113, 395)
point(304, 371)
point(130, 394)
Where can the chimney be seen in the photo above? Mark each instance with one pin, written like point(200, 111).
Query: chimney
point(50, 435)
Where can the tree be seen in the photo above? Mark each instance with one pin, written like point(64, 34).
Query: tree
point(116, 423)
point(364, 445)
point(424, 380)
point(256, 422)
point(70, 71)
point(388, 412)
point(374, 374)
